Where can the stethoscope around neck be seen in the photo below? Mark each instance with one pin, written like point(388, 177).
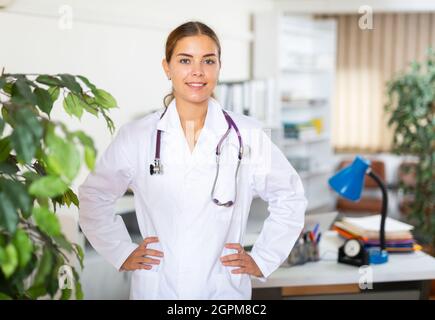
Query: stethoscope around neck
point(156, 167)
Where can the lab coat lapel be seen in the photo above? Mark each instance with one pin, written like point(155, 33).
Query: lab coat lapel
point(215, 126)
point(173, 135)
point(170, 122)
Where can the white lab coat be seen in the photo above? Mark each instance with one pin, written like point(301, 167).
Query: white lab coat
point(177, 206)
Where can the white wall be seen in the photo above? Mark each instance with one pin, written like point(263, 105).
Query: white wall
point(119, 45)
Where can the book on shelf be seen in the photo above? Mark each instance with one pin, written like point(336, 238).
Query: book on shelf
point(249, 97)
point(305, 130)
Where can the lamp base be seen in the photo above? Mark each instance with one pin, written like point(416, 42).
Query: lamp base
point(377, 256)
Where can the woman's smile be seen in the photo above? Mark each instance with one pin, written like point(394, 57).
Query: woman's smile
point(196, 86)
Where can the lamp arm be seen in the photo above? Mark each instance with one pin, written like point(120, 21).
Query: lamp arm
point(384, 206)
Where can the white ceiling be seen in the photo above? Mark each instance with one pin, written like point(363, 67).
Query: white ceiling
point(352, 6)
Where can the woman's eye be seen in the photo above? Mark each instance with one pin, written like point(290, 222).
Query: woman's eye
point(184, 60)
point(210, 61)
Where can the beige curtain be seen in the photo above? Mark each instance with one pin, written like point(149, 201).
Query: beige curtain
point(366, 60)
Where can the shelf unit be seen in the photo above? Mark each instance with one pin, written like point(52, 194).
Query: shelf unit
point(250, 97)
point(297, 53)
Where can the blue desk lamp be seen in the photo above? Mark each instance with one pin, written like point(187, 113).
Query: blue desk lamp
point(349, 183)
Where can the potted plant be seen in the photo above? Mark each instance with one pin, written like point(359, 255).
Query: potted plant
point(39, 159)
point(411, 108)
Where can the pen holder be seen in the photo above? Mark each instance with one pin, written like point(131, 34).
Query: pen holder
point(303, 252)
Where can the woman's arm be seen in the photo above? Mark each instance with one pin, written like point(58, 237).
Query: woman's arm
point(112, 176)
point(277, 182)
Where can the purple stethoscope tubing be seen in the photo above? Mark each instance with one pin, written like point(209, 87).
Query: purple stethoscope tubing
point(156, 168)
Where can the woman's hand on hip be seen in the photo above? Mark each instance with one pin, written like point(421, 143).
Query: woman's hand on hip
point(241, 259)
point(138, 260)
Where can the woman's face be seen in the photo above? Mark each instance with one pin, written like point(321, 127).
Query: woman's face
point(194, 68)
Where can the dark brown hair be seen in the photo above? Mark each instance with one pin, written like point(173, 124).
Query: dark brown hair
point(188, 29)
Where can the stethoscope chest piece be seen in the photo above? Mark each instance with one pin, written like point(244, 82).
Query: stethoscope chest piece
point(156, 168)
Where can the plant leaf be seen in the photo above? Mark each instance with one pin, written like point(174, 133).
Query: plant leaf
point(22, 142)
point(8, 88)
point(78, 286)
point(70, 82)
point(84, 139)
point(79, 252)
point(22, 93)
point(63, 157)
point(37, 291)
point(2, 126)
point(8, 168)
point(4, 296)
point(73, 105)
point(17, 193)
point(105, 99)
point(48, 186)
point(90, 105)
point(24, 247)
point(2, 82)
point(54, 93)
point(5, 115)
point(47, 221)
point(44, 267)
point(66, 294)
point(26, 135)
point(5, 148)
point(8, 214)
point(109, 122)
point(70, 197)
point(87, 83)
point(10, 260)
point(44, 100)
point(63, 242)
point(90, 157)
point(48, 80)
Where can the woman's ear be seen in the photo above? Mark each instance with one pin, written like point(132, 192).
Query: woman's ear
point(165, 66)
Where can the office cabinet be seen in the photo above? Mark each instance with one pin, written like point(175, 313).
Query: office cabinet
point(297, 53)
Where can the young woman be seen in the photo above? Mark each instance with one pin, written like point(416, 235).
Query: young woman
point(194, 169)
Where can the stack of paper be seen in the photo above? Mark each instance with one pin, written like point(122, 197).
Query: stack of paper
point(398, 236)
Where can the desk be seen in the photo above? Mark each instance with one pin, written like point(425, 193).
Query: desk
point(403, 276)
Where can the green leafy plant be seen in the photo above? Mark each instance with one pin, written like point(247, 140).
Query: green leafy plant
point(39, 159)
point(411, 108)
